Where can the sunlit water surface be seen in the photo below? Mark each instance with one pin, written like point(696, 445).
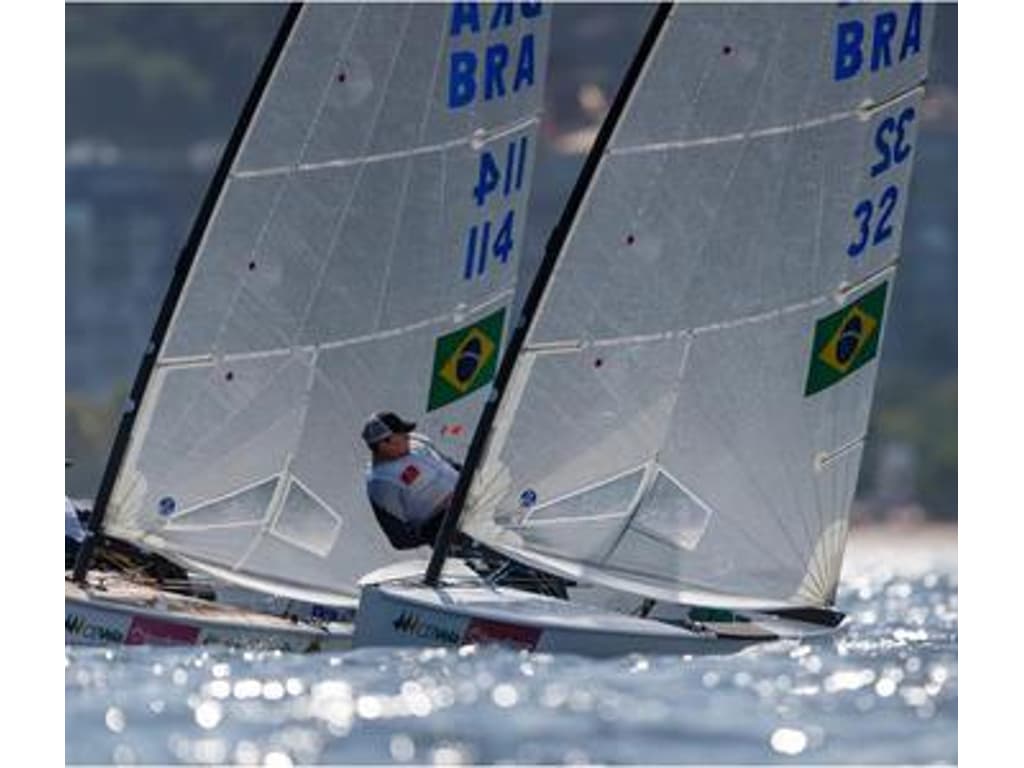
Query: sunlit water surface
point(884, 689)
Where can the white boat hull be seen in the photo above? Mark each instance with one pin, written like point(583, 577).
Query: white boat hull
point(464, 612)
point(110, 610)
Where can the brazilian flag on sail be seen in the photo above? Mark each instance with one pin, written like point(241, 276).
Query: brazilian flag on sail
point(845, 340)
point(465, 360)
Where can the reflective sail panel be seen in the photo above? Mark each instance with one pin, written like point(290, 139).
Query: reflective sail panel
point(695, 388)
point(376, 206)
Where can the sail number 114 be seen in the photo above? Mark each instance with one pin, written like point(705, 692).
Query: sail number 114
point(499, 174)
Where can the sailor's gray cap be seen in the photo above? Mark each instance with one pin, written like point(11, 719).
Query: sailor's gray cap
point(382, 425)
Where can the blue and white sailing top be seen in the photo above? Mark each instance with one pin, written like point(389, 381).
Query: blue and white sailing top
point(412, 488)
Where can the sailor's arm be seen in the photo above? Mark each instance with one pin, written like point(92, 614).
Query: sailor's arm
point(389, 506)
point(437, 451)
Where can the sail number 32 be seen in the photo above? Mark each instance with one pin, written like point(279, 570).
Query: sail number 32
point(872, 217)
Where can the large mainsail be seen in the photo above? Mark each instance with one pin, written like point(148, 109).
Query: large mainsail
point(361, 256)
point(686, 417)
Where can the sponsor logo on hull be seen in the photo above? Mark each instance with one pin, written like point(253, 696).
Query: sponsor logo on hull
point(478, 631)
point(484, 631)
point(79, 627)
point(409, 623)
point(149, 631)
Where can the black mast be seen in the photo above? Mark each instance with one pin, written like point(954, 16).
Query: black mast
point(181, 270)
point(551, 252)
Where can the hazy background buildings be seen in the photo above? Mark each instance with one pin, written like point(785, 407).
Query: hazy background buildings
point(152, 92)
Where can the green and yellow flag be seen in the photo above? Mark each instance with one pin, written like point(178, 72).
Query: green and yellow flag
point(465, 360)
point(845, 340)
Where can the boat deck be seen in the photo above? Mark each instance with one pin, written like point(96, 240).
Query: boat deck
point(117, 592)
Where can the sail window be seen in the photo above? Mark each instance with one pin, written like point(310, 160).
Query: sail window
point(585, 523)
point(305, 521)
point(244, 507)
point(672, 514)
point(608, 498)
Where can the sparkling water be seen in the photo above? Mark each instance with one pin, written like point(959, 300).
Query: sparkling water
point(883, 689)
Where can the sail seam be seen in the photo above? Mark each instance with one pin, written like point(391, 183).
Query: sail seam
point(576, 345)
point(864, 112)
point(383, 157)
point(209, 360)
point(777, 130)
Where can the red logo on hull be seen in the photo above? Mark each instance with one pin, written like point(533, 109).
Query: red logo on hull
point(147, 631)
point(483, 631)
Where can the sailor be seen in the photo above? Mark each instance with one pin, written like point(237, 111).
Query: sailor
point(74, 533)
point(410, 485)
point(409, 481)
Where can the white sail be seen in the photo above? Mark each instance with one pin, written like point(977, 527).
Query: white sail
point(686, 418)
point(372, 214)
